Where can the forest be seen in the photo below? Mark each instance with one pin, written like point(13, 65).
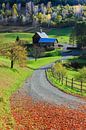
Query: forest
point(54, 2)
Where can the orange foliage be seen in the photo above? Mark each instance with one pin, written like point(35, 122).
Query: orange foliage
point(33, 115)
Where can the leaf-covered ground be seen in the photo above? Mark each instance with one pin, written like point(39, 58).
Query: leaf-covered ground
point(36, 115)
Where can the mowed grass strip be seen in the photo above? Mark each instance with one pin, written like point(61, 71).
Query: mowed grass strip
point(42, 62)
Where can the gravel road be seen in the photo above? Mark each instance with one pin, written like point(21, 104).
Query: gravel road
point(40, 89)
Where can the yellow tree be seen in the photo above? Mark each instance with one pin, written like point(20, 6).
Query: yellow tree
point(3, 9)
point(40, 17)
point(14, 52)
point(59, 18)
point(49, 8)
point(49, 19)
point(14, 10)
point(59, 69)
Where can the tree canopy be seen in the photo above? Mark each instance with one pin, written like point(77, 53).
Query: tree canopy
point(78, 34)
point(54, 2)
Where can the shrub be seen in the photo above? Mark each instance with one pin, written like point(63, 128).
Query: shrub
point(59, 69)
point(81, 76)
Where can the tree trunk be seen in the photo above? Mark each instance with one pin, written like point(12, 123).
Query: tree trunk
point(12, 63)
point(35, 58)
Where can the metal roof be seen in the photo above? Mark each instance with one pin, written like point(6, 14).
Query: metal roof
point(46, 40)
point(42, 34)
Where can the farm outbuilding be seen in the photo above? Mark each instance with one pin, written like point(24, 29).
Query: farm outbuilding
point(41, 39)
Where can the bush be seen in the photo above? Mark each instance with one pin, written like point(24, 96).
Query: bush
point(60, 69)
point(81, 76)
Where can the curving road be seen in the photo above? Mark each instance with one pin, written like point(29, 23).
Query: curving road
point(40, 89)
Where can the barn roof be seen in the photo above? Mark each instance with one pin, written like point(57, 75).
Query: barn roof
point(42, 34)
point(47, 40)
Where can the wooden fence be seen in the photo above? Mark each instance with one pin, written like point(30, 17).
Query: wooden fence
point(70, 82)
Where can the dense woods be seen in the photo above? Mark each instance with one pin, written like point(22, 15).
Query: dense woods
point(54, 2)
point(79, 34)
point(41, 14)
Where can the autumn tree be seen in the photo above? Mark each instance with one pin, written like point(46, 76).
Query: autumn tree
point(15, 12)
point(59, 18)
point(40, 17)
point(59, 69)
point(14, 52)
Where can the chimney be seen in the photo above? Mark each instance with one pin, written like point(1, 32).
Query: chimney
point(41, 30)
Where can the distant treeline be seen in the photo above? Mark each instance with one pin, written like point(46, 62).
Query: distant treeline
point(54, 2)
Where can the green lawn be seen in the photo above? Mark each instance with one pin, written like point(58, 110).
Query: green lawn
point(61, 34)
point(42, 62)
point(9, 37)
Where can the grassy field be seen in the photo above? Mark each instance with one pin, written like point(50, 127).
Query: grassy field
point(42, 62)
point(63, 87)
point(9, 37)
point(61, 34)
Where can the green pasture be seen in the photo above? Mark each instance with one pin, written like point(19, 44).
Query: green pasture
point(10, 37)
point(61, 34)
point(42, 62)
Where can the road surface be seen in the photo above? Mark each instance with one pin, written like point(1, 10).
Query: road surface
point(40, 89)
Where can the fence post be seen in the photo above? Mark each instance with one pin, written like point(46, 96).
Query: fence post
point(46, 70)
point(52, 72)
point(66, 81)
point(62, 79)
point(59, 77)
point(81, 86)
point(72, 84)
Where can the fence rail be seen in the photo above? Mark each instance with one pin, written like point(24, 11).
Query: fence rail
point(72, 83)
